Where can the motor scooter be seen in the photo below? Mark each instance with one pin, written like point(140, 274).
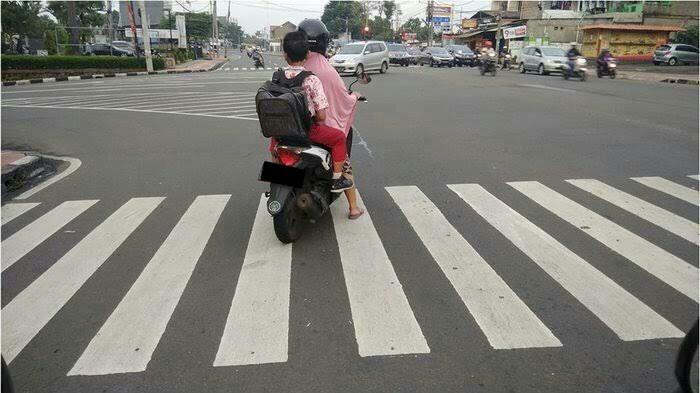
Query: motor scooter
point(300, 180)
point(579, 70)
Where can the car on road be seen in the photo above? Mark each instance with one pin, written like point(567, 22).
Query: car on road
point(673, 54)
point(398, 54)
point(414, 55)
point(436, 56)
point(116, 48)
point(463, 55)
point(543, 59)
point(358, 57)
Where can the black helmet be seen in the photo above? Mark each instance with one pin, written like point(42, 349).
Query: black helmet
point(318, 34)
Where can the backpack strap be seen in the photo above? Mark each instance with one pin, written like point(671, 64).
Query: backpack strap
point(281, 79)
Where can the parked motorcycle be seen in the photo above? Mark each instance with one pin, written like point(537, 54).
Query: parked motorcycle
point(579, 70)
point(300, 181)
point(606, 68)
point(487, 63)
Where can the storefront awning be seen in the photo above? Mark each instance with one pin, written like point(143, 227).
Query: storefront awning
point(475, 33)
point(633, 27)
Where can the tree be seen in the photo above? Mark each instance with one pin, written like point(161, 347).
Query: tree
point(335, 14)
point(380, 29)
point(688, 37)
point(389, 9)
point(197, 24)
point(22, 18)
point(89, 13)
point(231, 32)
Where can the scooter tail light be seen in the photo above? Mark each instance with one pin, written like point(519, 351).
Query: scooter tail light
point(288, 157)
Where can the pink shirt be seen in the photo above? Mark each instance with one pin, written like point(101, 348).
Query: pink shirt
point(313, 89)
point(341, 105)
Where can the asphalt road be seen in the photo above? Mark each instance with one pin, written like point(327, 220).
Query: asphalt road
point(509, 280)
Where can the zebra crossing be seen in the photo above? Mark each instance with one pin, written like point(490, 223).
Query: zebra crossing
point(256, 330)
point(227, 105)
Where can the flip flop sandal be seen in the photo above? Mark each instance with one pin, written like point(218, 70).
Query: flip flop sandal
point(356, 216)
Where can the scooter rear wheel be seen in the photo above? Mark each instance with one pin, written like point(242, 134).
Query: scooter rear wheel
point(288, 222)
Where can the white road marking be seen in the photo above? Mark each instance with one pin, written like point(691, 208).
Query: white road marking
point(235, 68)
point(73, 78)
point(670, 188)
point(504, 318)
point(382, 317)
point(623, 313)
point(26, 239)
point(257, 327)
point(665, 266)
point(652, 213)
point(227, 68)
point(11, 211)
point(218, 103)
point(104, 100)
point(696, 177)
point(142, 87)
point(237, 109)
point(73, 165)
point(127, 110)
point(34, 307)
point(125, 343)
point(547, 88)
point(244, 68)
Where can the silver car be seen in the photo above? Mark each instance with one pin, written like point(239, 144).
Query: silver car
point(673, 54)
point(357, 57)
point(543, 59)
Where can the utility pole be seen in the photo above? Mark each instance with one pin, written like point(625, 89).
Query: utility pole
point(498, 34)
point(109, 21)
point(132, 23)
point(146, 36)
point(214, 29)
point(430, 22)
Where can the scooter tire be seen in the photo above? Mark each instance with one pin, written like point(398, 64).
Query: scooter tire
point(613, 74)
point(288, 222)
point(583, 77)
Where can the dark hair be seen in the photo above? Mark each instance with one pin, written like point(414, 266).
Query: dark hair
point(296, 45)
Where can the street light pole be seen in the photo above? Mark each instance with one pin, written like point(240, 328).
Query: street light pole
point(170, 27)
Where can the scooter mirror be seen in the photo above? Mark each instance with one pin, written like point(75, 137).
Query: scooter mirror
point(364, 79)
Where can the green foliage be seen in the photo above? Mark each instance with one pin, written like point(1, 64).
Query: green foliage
point(231, 32)
point(380, 29)
point(18, 62)
point(688, 37)
point(415, 25)
point(22, 17)
point(335, 13)
point(50, 42)
point(87, 12)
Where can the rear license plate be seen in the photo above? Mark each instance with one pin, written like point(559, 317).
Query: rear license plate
point(279, 174)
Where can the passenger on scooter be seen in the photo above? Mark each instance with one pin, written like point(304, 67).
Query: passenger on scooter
point(296, 49)
point(341, 111)
point(572, 54)
point(603, 59)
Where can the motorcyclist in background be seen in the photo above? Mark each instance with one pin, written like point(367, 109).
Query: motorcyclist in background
point(572, 54)
point(487, 49)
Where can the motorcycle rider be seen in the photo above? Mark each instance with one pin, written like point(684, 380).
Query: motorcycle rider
point(341, 109)
point(257, 58)
point(603, 59)
point(487, 49)
point(296, 49)
point(572, 54)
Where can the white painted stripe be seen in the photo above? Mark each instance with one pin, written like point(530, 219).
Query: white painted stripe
point(142, 73)
point(670, 188)
point(73, 78)
point(125, 343)
point(11, 211)
point(652, 213)
point(178, 106)
point(269, 68)
point(244, 68)
point(25, 240)
point(126, 110)
point(623, 313)
point(665, 266)
point(257, 327)
point(198, 83)
point(102, 99)
point(236, 109)
point(227, 68)
point(49, 80)
point(23, 82)
point(34, 307)
point(696, 177)
point(120, 74)
point(235, 68)
point(382, 317)
point(73, 165)
point(504, 318)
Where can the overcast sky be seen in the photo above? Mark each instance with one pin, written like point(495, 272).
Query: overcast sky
point(254, 15)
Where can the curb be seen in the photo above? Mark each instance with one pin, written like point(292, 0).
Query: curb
point(101, 76)
point(19, 172)
point(681, 81)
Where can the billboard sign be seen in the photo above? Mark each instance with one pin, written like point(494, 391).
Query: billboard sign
point(181, 31)
point(514, 32)
point(469, 24)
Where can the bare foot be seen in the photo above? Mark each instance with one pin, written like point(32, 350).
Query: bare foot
point(356, 213)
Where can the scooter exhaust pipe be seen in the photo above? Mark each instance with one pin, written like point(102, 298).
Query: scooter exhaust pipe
point(307, 204)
